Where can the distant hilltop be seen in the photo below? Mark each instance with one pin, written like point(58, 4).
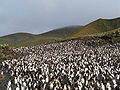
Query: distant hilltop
point(100, 28)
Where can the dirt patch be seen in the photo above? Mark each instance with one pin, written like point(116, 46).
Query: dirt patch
point(1, 78)
point(7, 52)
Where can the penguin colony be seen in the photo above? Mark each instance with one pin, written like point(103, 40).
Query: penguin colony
point(70, 65)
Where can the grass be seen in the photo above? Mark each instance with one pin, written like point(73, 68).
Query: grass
point(111, 36)
point(27, 39)
point(6, 52)
point(98, 26)
point(61, 32)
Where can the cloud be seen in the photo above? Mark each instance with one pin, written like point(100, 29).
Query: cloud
point(38, 16)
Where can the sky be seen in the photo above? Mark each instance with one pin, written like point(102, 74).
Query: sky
point(38, 16)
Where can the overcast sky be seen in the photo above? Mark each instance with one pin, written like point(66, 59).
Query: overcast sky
point(37, 16)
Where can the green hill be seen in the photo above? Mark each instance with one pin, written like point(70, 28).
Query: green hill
point(27, 39)
point(17, 38)
point(61, 32)
point(112, 36)
point(98, 26)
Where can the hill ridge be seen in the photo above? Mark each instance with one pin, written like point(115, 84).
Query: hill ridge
point(37, 39)
point(98, 26)
point(27, 39)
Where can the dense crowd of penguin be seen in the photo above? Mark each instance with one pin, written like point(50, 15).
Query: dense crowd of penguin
point(70, 65)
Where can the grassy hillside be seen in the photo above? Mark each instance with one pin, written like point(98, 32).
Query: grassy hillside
point(61, 32)
point(7, 52)
point(17, 38)
point(27, 39)
point(98, 26)
point(112, 36)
